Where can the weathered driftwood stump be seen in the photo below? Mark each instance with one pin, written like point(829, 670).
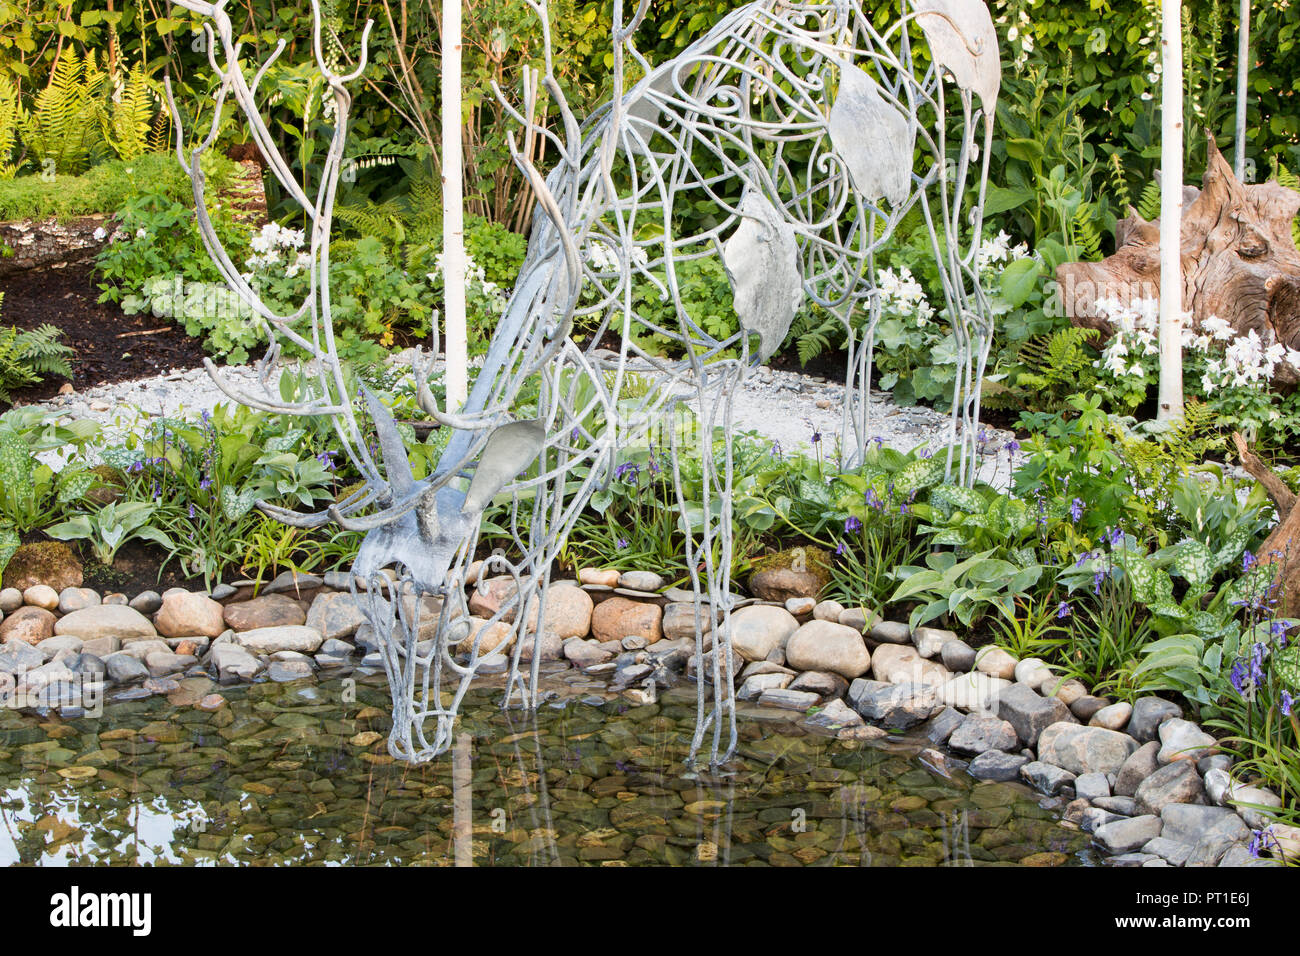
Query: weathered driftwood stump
point(1282, 547)
point(1240, 261)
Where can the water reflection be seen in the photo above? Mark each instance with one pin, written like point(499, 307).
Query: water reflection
point(298, 774)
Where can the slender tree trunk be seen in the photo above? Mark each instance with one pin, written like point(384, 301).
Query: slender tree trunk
point(1243, 67)
point(1171, 213)
point(453, 211)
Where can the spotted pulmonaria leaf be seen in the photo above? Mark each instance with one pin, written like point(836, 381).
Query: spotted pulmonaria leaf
point(120, 458)
point(15, 468)
point(918, 475)
point(1195, 563)
point(1167, 609)
point(1286, 666)
point(1150, 585)
point(235, 506)
point(1233, 548)
point(73, 485)
point(9, 542)
point(958, 498)
point(1254, 588)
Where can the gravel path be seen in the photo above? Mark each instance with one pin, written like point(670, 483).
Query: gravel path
point(786, 407)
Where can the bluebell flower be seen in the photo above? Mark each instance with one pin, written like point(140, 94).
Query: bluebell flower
point(1063, 610)
point(852, 524)
point(873, 501)
point(1076, 510)
point(1287, 703)
point(622, 543)
point(1012, 447)
point(628, 471)
point(840, 549)
point(1247, 560)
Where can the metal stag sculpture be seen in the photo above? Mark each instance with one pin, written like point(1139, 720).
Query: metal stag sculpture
point(801, 124)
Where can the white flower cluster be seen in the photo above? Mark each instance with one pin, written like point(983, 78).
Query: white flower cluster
point(902, 294)
point(1019, 35)
point(999, 249)
point(476, 281)
point(1245, 360)
point(273, 241)
point(603, 257)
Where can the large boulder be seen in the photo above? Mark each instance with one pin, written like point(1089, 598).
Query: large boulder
point(1148, 714)
point(618, 617)
point(981, 732)
point(31, 625)
point(1082, 749)
point(106, 620)
point(189, 614)
point(799, 572)
point(1177, 782)
point(268, 640)
point(336, 615)
point(1029, 712)
point(758, 630)
point(823, 646)
point(268, 610)
point(900, 664)
point(896, 706)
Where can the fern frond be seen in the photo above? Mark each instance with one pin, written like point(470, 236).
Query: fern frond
point(1087, 237)
point(126, 125)
point(1148, 204)
point(62, 130)
point(8, 126)
point(1290, 180)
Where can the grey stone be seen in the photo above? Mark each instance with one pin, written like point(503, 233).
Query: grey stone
point(897, 706)
point(146, 602)
point(223, 591)
point(1181, 740)
point(1148, 714)
point(88, 665)
point(1084, 749)
point(123, 668)
point(997, 766)
point(753, 687)
point(1214, 762)
point(1135, 859)
point(1046, 778)
point(957, 656)
point(1172, 851)
point(1126, 806)
point(1114, 717)
point(890, 632)
point(788, 700)
point(1092, 786)
point(1095, 817)
point(1129, 834)
point(827, 611)
point(822, 683)
point(235, 663)
point(336, 616)
point(1029, 713)
point(74, 599)
point(641, 580)
point(835, 715)
point(942, 726)
point(292, 582)
point(1086, 707)
point(1177, 782)
point(18, 657)
point(1210, 831)
point(284, 671)
point(929, 641)
point(980, 732)
point(1255, 804)
point(1136, 768)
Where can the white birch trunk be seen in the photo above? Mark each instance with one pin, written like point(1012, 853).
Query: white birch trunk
point(453, 212)
point(1243, 67)
point(1171, 212)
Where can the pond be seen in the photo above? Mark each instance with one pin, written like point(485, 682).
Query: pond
point(299, 773)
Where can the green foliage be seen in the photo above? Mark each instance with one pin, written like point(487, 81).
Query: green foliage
point(106, 187)
point(27, 356)
point(110, 527)
point(1049, 369)
point(128, 121)
point(31, 491)
point(8, 127)
point(62, 131)
point(964, 590)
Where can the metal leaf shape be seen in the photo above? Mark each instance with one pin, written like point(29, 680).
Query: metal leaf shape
point(963, 41)
point(762, 262)
point(397, 467)
point(872, 137)
point(509, 450)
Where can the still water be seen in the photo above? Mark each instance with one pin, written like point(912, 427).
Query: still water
point(299, 773)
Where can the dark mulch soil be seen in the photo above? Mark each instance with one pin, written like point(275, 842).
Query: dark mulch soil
point(110, 345)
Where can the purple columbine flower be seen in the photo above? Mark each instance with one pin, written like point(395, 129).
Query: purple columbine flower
point(1076, 510)
point(1063, 610)
point(852, 524)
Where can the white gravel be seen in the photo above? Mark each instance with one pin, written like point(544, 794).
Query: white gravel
point(786, 407)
